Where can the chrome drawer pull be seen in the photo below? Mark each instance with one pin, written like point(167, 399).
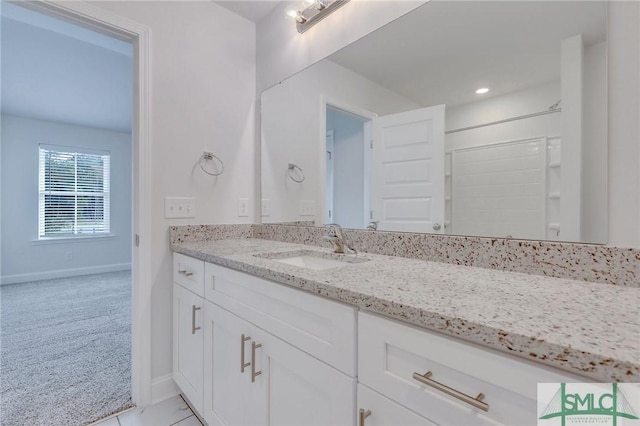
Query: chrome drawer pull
point(186, 273)
point(254, 373)
point(194, 308)
point(476, 402)
point(362, 415)
point(243, 364)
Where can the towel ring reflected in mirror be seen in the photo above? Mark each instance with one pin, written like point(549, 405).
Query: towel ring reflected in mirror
point(295, 173)
point(215, 160)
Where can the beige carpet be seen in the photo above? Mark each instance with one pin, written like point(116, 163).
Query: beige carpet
point(65, 348)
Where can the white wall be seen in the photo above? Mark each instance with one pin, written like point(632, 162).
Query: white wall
point(202, 97)
point(24, 258)
point(282, 52)
point(298, 140)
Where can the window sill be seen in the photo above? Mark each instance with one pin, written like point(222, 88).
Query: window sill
point(67, 240)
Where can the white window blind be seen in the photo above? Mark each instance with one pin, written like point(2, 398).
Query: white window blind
point(73, 192)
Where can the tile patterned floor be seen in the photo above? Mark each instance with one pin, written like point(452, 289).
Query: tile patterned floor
point(171, 412)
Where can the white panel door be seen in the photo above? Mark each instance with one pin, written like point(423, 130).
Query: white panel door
point(303, 390)
point(230, 397)
point(407, 185)
point(188, 344)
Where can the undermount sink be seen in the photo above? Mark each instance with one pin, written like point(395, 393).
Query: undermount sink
point(313, 260)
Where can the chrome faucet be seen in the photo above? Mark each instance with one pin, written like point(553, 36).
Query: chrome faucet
point(337, 238)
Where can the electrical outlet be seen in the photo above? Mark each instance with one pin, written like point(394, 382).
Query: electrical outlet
point(266, 207)
point(307, 208)
point(68, 255)
point(179, 207)
point(243, 207)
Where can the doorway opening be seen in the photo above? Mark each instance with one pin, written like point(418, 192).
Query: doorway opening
point(67, 211)
point(347, 156)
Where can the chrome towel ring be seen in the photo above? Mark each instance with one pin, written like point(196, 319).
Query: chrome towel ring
point(296, 176)
point(209, 156)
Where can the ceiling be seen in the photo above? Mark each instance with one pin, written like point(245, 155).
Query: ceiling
point(57, 71)
point(254, 11)
point(441, 52)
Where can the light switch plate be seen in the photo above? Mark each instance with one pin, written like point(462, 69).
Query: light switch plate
point(307, 208)
point(243, 207)
point(266, 207)
point(179, 207)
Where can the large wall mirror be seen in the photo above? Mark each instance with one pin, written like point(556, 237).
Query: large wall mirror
point(394, 132)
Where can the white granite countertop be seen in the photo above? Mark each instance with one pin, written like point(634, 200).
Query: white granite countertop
point(586, 328)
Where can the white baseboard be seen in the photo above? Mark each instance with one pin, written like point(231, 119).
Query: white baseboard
point(63, 273)
point(162, 388)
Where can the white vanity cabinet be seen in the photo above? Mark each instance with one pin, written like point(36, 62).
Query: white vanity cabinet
point(188, 337)
point(248, 351)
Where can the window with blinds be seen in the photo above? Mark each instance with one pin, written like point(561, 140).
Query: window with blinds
point(73, 192)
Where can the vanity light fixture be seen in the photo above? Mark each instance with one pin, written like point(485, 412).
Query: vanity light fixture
point(313, 11)
point(482, 90)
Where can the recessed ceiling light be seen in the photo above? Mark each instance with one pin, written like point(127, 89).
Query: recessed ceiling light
point(482, 91)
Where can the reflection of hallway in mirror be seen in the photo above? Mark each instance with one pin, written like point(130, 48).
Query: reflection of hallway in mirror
point(347, 197)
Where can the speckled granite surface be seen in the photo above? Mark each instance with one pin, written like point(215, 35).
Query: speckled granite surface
point(585, 328)
point(583, 262)
point(193, 233)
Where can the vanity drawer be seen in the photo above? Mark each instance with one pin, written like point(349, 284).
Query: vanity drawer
point(189, 273)
point(389, 353)
point(318, 326)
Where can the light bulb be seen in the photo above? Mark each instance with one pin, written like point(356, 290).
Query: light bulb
point(318, 4)
point(482, 90)
point(292, 14)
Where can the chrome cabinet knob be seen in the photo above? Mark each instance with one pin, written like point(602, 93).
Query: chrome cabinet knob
point(436, 227)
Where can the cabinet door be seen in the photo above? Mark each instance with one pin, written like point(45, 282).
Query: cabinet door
point(303, 390)
point(385, 412)
point(290, 387)
point(188, 344)
point(230, 397)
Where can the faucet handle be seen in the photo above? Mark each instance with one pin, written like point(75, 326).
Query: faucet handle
point(333, 228)
point(337, 237)
point(336, 243)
